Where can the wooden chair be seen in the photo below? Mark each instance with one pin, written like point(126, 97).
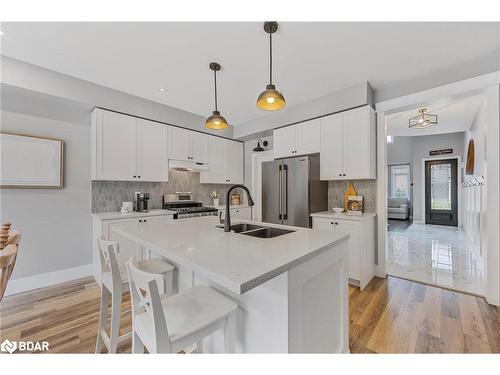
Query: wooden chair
point(7, 260)
point(172, 324)
point(113, 281)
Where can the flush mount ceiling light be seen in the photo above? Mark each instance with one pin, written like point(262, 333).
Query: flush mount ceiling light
point(162, 89)
point(423, 120)
point(216, 121)
point(271, 99)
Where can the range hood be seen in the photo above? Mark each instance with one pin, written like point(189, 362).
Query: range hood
point(189, 166)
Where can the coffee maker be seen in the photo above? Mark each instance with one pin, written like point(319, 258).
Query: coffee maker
point(141, 201)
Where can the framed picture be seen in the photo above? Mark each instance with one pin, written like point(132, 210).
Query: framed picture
point(355, 204)
point(31, 162)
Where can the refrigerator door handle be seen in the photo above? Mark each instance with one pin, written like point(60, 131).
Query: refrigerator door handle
point(285, 193)
point(280, 181)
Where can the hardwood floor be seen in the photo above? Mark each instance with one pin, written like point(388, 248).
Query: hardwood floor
point(390, 316)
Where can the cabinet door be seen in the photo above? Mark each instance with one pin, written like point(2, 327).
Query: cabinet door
point(357, 151)
point(353, 246)
point(198, 147)
point(284, 142)
point(308, 137)
point(331, 148)
point(244, 213)
point(323, 224)
point(116, 147)
point(178, 143)
point(151, 150)
point(167, 219)
point(234, 162)
point(217, 169)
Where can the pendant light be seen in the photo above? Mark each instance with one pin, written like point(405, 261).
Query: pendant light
point(216, 121)
point(271, 99)
point(423, 120)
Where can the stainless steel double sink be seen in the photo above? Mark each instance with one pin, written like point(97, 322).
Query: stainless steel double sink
point(258, 230)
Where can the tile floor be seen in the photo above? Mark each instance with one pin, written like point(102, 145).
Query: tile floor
point(438, 255)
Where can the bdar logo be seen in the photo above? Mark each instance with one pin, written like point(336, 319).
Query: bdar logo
point(8, 346)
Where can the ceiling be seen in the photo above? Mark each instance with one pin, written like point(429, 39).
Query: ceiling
point(453, 116)
point(310, 59)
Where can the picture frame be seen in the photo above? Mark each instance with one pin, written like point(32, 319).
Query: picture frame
point(355, 204)
point(31, 162)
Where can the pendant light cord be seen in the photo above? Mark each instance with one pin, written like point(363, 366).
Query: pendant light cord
point(270, 58)
point(215, 85)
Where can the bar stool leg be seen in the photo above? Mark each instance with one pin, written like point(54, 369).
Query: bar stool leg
point(103, 317)
point(137, 345)
point(116, 302)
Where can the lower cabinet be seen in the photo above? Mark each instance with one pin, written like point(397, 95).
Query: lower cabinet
point(237, 213)
point(361, 245)
point(126, 247)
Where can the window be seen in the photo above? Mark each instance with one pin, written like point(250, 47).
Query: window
point(390, 139)
point(399, 186)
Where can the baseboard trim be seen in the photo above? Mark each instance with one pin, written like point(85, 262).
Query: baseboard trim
point(25, 284)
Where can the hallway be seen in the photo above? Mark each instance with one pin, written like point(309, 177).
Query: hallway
point(436, 255)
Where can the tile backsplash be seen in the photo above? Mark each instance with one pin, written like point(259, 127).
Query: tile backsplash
point(366, 188)
point(107, 196)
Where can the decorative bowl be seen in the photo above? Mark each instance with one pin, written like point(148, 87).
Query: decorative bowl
point(337, 210)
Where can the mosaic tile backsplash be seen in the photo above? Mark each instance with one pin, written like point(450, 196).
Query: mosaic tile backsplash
point(107, 196)
point(366, 188)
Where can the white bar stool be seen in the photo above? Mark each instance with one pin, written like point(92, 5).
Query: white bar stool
point(169, 325)
point(112, 286)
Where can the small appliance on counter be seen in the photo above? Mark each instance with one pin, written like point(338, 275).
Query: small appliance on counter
point(141, 201)
point(185, 207)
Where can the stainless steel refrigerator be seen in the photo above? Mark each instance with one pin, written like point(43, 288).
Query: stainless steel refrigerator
point(292, 190)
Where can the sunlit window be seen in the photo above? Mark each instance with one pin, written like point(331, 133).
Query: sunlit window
point(400, 181)
point(390, 139)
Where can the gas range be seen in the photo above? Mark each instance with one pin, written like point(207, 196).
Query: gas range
point(185, 207)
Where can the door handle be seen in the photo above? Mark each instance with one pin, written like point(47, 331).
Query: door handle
point(285, 195)
point(280, 191)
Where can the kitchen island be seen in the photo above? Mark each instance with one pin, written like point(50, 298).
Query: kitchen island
point(291, 289)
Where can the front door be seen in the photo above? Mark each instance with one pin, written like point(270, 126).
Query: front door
point(441, 203)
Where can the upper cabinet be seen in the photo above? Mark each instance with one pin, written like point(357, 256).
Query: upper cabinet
point(299, 139)
point(187, 145)
point(225, 161)
point(125, 148)
point(348, 143)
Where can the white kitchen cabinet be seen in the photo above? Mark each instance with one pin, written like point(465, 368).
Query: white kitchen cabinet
point(126, 148)
point(225, 162)
point(348, 145)
point(299, 139)
point(152, 160)
point(237, 213)
point(188, 145)
point(361, 244)
point(127, 248)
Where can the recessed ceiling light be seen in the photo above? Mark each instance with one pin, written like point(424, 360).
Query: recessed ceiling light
point(162, 89)
point(228, 113)
point(1, 32)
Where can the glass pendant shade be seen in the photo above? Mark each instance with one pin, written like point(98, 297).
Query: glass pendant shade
point(271, 99)
point(216, 121)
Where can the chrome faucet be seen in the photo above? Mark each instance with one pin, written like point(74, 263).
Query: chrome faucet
point(227, 219)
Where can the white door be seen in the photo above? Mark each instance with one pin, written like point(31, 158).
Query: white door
point(331, 148)
point(356, 140)
point(284, 142)
point(151, 149)
point(198, 147)
point(352, 228)
point(117, 135)
point(178, 143)
point(234, 162)
point(323, 224)
point(217, 169)
point(308, 137)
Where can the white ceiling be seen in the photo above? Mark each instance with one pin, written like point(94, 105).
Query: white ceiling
point(453, 116)
point(310, 59)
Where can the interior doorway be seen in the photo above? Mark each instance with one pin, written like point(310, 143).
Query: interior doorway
point(441, 192)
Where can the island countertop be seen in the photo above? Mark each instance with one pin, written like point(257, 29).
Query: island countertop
point(235, 261)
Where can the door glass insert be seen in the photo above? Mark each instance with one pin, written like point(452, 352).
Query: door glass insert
point(440, 186)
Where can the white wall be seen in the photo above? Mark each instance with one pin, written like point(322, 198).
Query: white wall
point(248, 147)
point(400, 152)
point(55, 223)
point(478, 133)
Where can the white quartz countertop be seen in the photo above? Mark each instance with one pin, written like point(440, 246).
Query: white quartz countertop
point(234, 261)
point(119, 215)
point(343, 216)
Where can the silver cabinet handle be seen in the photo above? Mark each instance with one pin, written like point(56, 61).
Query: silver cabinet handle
point(285, 195)
point(280, 189)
